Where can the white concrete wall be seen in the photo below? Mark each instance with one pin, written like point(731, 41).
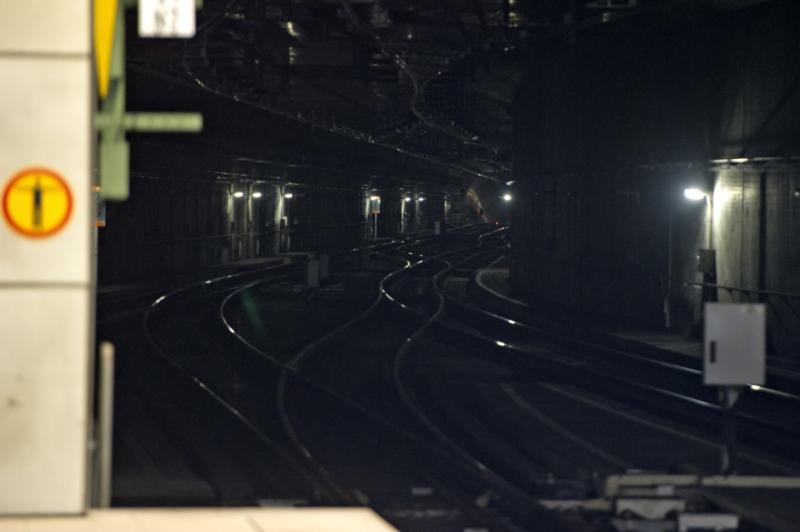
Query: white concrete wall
point(45, 283)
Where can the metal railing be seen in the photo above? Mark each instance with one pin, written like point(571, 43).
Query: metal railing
point(149, 255)
point(783, 311)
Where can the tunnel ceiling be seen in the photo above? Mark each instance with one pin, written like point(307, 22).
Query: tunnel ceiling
point(388, 89)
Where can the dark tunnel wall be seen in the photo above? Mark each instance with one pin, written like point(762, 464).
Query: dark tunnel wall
point(182, 215)
point(173, 225)
point(611, 128)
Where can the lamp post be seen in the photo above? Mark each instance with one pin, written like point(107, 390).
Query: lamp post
point(706, 258)
point(374, 210)
point(697, 194)
point(666, 304)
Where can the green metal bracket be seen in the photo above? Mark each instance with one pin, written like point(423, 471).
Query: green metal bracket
point(112, 122)
point(153, 122)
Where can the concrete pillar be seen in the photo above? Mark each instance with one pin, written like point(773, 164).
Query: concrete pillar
point(405, 209)
point(389, 220)
point(238, 217)
point(231, 225)
point(279, 220)
point(340, 217)
point(434, 209)
point(414, 211)
point(258, 199)
point(350, 202)
point(46, 275)
point(247, 228)
point(366, 227)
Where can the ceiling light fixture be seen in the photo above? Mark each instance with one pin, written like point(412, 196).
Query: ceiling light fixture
point(694, 194)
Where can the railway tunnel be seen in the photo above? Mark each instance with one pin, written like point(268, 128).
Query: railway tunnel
point(490, 265)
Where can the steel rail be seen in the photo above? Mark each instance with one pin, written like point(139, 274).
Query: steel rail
point(291, 366)
point(580, 366)
point(385, 295)
point(207, 388)
point(515, 324)
point(332, 491)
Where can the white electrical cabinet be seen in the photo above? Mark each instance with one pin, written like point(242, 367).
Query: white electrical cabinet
point(735, 344)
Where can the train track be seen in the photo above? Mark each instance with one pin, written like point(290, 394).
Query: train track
point(184, 379)
point(224, 385)
point(608, 382)
point(353, 372)
point(436, 413)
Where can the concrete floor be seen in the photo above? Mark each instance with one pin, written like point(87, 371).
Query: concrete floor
point(205, 520)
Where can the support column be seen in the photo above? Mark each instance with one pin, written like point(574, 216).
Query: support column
point(435, 208)
point(415, 211)
point(278, 200)
point(405, 205)
point(389, 220)
point(343, 214)
point(366, 217)
point(354, 208)
point(47, 271)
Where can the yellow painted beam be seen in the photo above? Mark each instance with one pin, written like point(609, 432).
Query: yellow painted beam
point(105, 19)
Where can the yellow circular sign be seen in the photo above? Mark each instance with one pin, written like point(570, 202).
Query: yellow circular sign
point(37, 202)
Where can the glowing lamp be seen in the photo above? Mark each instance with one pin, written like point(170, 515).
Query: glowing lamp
point(694, 194)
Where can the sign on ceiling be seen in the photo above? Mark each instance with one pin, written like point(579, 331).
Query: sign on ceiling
point(167, 18)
